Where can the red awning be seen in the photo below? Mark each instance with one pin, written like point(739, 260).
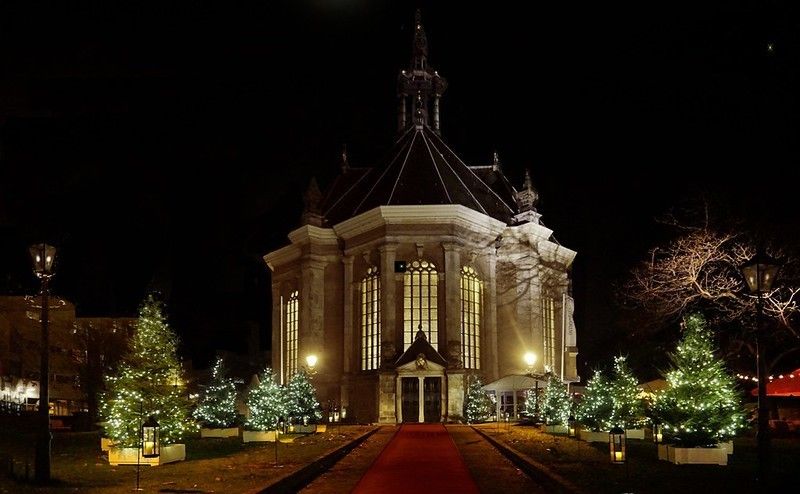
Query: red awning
point(784, 385)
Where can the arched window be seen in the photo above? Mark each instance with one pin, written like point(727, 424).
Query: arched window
point(471, 296)
point(419, 303)
point(292, 306)
point(549, 332)
point(371, 320)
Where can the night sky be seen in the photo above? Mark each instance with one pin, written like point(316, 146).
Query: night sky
point(167, 146)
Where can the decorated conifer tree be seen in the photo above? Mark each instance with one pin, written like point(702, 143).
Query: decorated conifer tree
point(217, 408)
point(147, 383)
point(477, 404)
point(301, 400)
point(531, 403)
point(627, 406)
point(595, 409)
point(267, 403)
point(701, 406)
point(556, 402)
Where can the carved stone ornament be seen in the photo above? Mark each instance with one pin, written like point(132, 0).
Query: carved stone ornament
point(422, 362)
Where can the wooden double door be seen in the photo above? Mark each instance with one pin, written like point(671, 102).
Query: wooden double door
point(431, 397)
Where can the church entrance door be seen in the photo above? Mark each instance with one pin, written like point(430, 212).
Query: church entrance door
point(410, 397)
point(433, 399)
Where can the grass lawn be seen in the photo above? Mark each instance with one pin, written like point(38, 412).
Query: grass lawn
point(212, 465)
point(588, 465)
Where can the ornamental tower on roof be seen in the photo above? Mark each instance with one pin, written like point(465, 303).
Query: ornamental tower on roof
point(408, 275)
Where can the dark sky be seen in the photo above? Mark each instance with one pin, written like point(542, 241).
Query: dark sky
point(167, 145)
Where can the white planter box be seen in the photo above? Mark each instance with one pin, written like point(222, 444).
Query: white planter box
point(698, 456)
point(258, 436)
point(556, 429)
point(227, 432)
point(634, 433)
point(128, 456)
point(663, 452)
point(728, 446)
point(308, 429)
point(593, 437)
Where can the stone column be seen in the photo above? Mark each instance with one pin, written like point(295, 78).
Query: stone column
point(348, 341)
point(452, 288)
point(399, 400)
point(489, 342)
point(389, 329)
point(421, 399)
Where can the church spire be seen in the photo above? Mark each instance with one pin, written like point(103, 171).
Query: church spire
point(526, 201)
point(419, 87)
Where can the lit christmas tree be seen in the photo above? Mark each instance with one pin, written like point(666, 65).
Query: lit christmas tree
point(530, 403)
point(556, 402)
point(146, 383)
point(267, 403)
point(217, 408)
point(627, 406)
point(477, 404)
point(595, 409)
point(701, 406)
point(302, 404)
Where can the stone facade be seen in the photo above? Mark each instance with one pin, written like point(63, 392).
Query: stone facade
point(424, 205)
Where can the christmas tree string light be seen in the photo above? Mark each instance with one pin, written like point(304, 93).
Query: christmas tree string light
point(217, 407)
point(145, 383)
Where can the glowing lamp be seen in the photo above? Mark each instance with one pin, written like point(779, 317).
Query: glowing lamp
point(150, 440)
point(530, 359)
point(572, 426)
point(658, 433)
point(616, 445)
point(760, 272)
point(43, 257)
point(311, 361)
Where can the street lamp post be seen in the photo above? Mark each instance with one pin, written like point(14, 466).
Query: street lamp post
point(760, 273)
point(43, 257)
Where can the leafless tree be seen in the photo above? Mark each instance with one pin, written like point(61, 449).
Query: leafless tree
point(699, 270)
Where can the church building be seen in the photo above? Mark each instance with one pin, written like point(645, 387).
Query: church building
point(409, 276)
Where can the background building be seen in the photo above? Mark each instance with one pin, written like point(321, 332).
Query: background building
point(407, 276)
point(81, 349)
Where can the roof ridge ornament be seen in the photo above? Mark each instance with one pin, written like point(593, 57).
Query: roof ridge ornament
point(495, 161)
point(345, 164)
point(526, 202)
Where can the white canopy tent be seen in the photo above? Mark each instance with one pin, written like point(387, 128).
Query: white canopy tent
point(506, 391)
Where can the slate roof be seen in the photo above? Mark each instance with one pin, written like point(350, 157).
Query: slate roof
point(421, 169)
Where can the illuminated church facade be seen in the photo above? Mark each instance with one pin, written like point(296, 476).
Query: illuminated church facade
point(407, 277)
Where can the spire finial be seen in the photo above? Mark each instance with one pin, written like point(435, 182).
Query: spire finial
point(312, 200)
point(527, 197)
point(495, 161)
point(420, 43)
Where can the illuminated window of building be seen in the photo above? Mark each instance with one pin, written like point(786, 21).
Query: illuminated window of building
point(371, 320)
point(471, 291)
point(292, 306)
point(419, 303)
point(549, 332)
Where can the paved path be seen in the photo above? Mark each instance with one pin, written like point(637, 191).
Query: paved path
point(344, 476)
point(492, 471)
point(420, 457)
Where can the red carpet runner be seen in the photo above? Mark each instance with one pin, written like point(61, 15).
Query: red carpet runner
point(420, 458)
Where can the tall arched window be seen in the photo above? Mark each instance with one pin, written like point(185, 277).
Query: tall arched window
point(292, 306)
point(549, 332)
point(471, 296)
point(419, 302)
point(371, 320)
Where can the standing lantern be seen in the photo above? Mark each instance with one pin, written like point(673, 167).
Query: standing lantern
point(572, 426)
point(658, 433)
point(150, 440)
point(616, 445)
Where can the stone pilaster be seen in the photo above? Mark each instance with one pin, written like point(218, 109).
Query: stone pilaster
point(312, 312)
point(389, 329)
point(490, 360)
point(349, 366)
point(452, 288)
point(277, 332)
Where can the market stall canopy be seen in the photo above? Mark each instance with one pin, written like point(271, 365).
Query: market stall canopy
point(783, 385)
